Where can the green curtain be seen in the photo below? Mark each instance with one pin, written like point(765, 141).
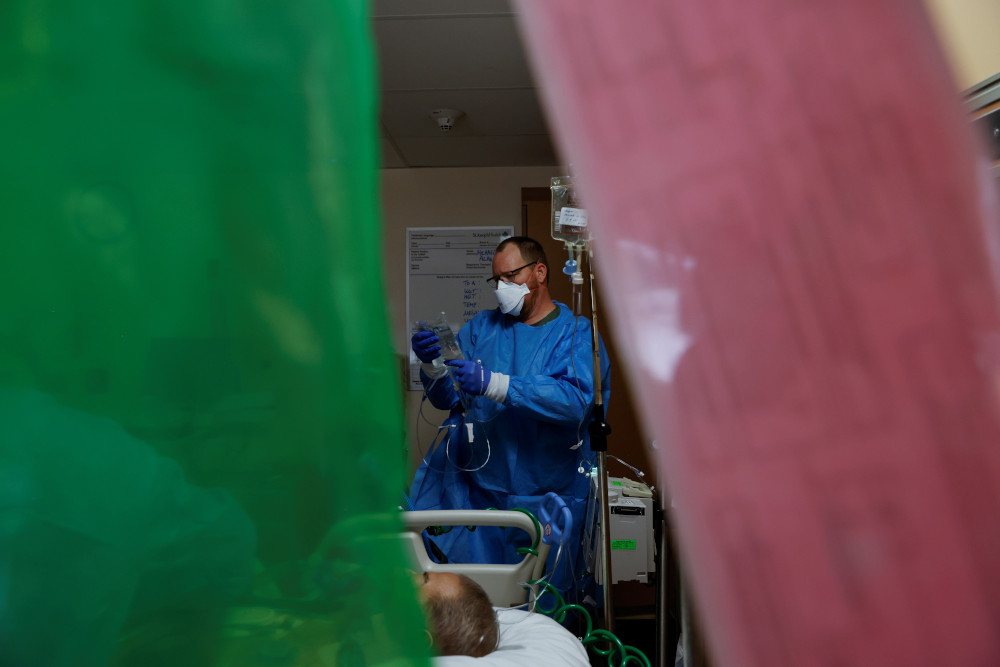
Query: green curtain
point(201, 440)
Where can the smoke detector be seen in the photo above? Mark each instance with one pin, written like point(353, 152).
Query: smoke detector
point(446, 118)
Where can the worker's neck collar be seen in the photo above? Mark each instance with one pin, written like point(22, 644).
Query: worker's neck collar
point(538, 312)
point(552, 314)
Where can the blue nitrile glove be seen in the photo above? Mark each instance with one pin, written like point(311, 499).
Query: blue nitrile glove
point(425, 346)
point(472, 377)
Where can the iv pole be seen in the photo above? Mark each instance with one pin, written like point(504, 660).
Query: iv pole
point(598, 427)
point(578, 245)
point(599, 431)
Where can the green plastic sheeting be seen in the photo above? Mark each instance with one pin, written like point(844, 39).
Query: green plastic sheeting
point(201, 440)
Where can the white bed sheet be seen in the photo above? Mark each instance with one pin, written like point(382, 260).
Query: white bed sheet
point(526, 639)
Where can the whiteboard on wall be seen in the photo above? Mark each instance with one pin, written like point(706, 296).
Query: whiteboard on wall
point(447, 268)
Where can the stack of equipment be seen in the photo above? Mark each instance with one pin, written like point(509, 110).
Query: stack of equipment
point(633, 550)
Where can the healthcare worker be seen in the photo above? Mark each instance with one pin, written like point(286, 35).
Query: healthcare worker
point(519, 404)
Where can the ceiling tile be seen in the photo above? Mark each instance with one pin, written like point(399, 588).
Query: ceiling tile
point(487, 112)
point(477, 151)
point(381, 8)
point(459, 54)
point(390, 157)
point(448, 53)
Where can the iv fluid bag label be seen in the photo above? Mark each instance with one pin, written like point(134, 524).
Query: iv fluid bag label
point(573, 217)
point(623, 545)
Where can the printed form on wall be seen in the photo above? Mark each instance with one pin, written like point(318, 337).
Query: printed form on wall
point(447, 268)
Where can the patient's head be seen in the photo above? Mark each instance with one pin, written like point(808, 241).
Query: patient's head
point(459, 613)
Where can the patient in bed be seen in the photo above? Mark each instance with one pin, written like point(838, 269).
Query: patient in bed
point(459, 614)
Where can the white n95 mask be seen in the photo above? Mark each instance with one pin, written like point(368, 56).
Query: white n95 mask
point(511, 297)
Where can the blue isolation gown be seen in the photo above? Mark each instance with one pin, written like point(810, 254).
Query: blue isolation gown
point(535, 442)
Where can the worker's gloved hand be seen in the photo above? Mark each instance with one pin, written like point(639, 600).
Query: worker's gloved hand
point(476, 380)
point(472, 377)
point(425, 346)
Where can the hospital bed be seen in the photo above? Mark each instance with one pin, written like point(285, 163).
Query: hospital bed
point(525, 637)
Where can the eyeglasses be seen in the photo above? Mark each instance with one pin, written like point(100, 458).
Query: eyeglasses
point(507, 276)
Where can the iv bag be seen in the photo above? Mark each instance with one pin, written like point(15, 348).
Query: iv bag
point(569, 218)
point(449, 344)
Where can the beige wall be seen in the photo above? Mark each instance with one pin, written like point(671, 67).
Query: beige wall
point(969, 31)
point(442, 198)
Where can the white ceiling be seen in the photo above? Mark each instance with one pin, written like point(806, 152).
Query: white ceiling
point(458, 54)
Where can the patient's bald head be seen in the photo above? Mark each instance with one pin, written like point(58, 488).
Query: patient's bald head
point(461, 618)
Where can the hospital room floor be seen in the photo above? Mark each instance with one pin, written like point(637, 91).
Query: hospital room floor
point(638, 630)
point(635, 619)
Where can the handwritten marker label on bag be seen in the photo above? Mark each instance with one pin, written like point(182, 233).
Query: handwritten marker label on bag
point(573, 217)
